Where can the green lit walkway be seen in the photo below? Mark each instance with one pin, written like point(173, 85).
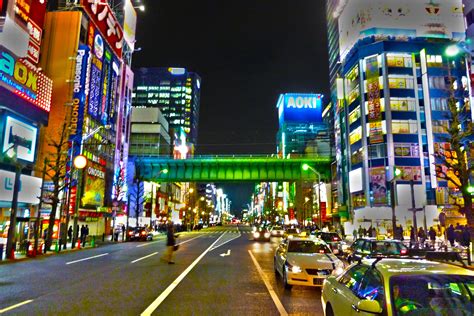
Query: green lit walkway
point(232, 168)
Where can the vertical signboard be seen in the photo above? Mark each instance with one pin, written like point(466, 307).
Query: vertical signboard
point(80, 94)
point(129, 24)
point(35, 25)
point(105, 87)
point(96, 76)
point(373, 98)
point(378, 186)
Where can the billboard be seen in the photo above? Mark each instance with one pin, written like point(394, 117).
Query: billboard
point(21, 135)
point(129, 24)
point(94, 185)
point(378, 185)
point(104, 19)
point(373, 98)
point(24, 81)
point(402, 19)
point(30, 188)
point(300, 108)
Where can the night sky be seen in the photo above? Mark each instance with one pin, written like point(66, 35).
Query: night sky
point(247, 52)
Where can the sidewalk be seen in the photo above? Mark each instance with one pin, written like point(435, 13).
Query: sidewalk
point(22, 255)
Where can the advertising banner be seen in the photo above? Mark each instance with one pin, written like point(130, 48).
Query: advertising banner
point(94, 185)
point(129, 24)
point(104, 18)
point(30, 188)
point(21, 135)
point(24, 81)
point(410, 173)
point(35, 25)
point(373, 98)
point(378, 186)
point(300, 108)
point(94, 91)
point(402, 19)
point(105, 87)
point(80, 94)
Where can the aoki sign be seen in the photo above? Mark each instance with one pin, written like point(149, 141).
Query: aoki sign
point(300, 108)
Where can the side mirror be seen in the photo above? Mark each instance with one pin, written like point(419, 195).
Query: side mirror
point(369, 306)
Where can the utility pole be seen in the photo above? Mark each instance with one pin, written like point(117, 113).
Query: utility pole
point(16, 188)
point(414, 210)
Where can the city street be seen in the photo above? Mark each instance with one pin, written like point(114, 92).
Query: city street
point(218, 271)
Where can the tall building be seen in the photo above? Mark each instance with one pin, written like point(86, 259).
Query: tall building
point(176, 92)
point(391, 108)
point(25, 98)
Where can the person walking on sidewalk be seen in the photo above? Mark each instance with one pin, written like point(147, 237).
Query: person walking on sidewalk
point(451, 235)
point(83, 235)
point(432, 235)
point(69, 234)
point(170, 244)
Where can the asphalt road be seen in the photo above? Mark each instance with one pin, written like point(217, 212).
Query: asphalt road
point(218, 271)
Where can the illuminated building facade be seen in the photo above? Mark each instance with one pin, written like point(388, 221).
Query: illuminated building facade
point(176, 92)
point(25, 104)
point(391, 105)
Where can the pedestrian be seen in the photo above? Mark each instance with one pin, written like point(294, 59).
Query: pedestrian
point(45, 233)
point(123, 232)
point(421, 235)
point(432, 235)
point(69, 233)
point(87, 234)
point(360, 232)
point(450, 234)
point(83, 235)
point(400, 232)
point(458, 233)
point(354, 233)
point(412, 237)
point(116, 233)
point(466, 236)
point(170, 245)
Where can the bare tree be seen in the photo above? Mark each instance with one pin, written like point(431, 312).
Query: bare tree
point(56, 173)
point(453, 160)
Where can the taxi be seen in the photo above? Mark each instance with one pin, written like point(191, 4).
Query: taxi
point(395, 286)
point(305, 261)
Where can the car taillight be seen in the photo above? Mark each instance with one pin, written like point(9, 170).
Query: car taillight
point(321, 251)
point(130, 233)
point(143, 233)
point(335, 239)
point(403, 252)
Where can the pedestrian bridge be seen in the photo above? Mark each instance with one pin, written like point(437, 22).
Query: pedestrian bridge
point(232, 168)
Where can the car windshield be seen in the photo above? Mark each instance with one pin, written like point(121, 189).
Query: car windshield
point(276, 228)
point(387, 247)
point(433, 294)
point(307, 246)
point(292, 231)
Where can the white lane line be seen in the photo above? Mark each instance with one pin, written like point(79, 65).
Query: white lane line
point(140, 259)
point(149, 243)
point(270, 289)
point(225, 243)
point(157, 302)
point(15, 306)
point(183, 242)
point(89, 258)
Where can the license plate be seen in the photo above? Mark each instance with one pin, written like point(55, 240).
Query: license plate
point(136, 235)
point(322, 273)
point(318, 281)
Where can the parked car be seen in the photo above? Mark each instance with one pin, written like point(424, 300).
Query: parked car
point(140, 233)
point(370, 247)
point(291, 232)
point(277, 231)
point(335, 242)
point(394, 287)
point(305, 261)
point(261, 234)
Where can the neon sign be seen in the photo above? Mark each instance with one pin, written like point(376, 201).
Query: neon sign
point(302, 108)
point(24, 81)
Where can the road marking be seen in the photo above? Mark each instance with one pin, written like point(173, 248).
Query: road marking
point(157, 302)
point(152, 254)
point(183, 242)
point(14, 306)
point(225, 254)
point(270, 289)
point(151, 242)
point(225, 243)
point(89, 258)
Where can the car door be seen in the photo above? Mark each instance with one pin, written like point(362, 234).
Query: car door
point(343, 290)
point(371, 288)
point(280, 256)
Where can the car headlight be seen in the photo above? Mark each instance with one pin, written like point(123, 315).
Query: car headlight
point(293, 268)
point(256, 235)
point(266, 235)
point(339, 269)
point(345, 247)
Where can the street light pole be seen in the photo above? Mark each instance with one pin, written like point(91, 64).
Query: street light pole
point(16, 188)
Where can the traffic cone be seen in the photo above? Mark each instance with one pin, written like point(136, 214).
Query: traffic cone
point(12, 254)
point(79, 244)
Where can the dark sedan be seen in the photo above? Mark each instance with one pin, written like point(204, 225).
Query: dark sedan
point(140, 234)
point(370, 247)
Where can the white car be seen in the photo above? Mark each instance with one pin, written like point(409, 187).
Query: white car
point(277, 231)
point(305, 261)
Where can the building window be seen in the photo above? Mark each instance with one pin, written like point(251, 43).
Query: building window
point(404, 127)
point(439, 104)
point(354, 116)
point(377, 151)
point(399, 60)
point(355, 135)
point(440, 126)
point(437, 82)
point(402, 104)
point(357, 157)
point(434, 60)
point(400, 83)
point(406, 150)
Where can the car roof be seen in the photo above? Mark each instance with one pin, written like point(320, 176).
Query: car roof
point(391, 266)
point(318, 240)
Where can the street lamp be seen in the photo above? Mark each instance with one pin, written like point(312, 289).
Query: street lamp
point(307, 167)
point(164, 171)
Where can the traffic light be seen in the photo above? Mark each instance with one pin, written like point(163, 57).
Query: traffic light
point(397, 172)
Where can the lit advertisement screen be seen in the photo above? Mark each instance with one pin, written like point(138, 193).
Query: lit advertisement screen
point(300, 108)
point(94, 185)
point(22, 136)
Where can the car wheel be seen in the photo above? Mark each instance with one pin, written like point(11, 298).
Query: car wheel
point(285, 281)
point(329, 311)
